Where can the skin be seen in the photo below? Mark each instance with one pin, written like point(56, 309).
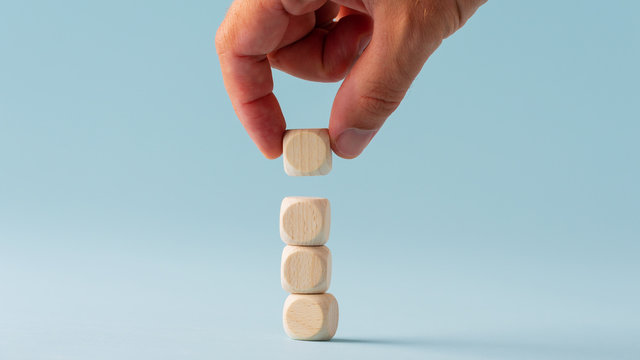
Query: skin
point(377, 46)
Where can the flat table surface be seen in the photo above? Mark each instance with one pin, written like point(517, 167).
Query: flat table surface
point(166, 302)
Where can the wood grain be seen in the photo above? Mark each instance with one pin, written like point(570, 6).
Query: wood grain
point(306, 152)
point(305, 221)
point(306, 269)
point(310, 317)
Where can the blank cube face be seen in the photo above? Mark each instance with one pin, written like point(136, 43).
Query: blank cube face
point(306, 269)
point(310, 317)
point(306, 152)
point(305, 221)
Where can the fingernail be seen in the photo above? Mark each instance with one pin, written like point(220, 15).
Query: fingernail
point(351, 142)
point(364, 42)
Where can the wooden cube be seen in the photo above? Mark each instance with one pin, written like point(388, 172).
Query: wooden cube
point(310, 317)
point(306, 269)
point(306, 152)
point(305, 221)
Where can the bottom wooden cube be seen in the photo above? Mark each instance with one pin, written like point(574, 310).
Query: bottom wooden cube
point(310, 316)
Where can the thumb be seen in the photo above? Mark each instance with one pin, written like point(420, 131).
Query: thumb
point(379, 80)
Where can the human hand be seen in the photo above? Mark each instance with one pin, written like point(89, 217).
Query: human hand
point(300, 37)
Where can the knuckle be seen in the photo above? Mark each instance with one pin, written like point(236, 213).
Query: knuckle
point(224, 38)
point(298, 7)
point(378, 106)
point(333, 78)
point(381, 100)
point(220, 41)
point(274, 59)
point(439, 18)
point(333, 73)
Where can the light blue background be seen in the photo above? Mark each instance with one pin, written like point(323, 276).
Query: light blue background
point(496, 216)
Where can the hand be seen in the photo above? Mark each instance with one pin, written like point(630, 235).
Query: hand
point(301, 38)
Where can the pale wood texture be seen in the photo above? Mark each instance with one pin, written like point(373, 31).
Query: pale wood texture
point(306, 152)
point(310, 317)
point(305, 221)
point(306, 269)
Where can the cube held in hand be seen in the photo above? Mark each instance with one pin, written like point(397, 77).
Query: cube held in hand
point(306, 152)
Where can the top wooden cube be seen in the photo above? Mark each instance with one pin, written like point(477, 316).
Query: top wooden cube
point(306, 152)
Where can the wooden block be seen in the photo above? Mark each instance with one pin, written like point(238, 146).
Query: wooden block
point(310, 317)
point(306, 269)
point(306, 152)
point(305, 221)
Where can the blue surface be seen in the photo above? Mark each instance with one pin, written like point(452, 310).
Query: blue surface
point(496, 216)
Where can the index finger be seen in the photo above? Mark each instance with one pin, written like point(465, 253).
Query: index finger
point(251, 30)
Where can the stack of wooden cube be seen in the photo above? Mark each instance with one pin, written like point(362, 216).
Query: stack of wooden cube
point(309, 312)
